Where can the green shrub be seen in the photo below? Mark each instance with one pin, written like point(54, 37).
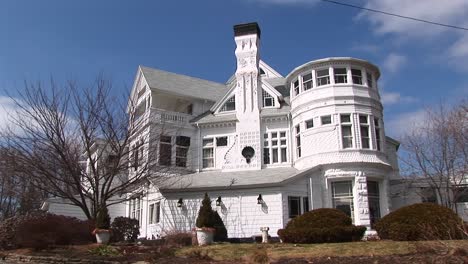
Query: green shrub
point(423, 221)
point(209, 218)
point(103, 219)
point(322, 225)
point(125, 229)
point(205, 214)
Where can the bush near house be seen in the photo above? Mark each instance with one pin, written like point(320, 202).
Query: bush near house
point(125, 229)
point(211, 219)
point(40, 230)
point(423, 221)
point(321, 226)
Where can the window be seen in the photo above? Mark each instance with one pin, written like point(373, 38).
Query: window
point(357, 76)
point(461, 194)
point(138, 152)
point(325, 120)
point(296, 87)
point(189, 109)
point(221, 141)
point(154, 213)
point(182, 146)
point(136, 209)
point(307, 81)
point(377, 133)
point(268, 100)
point(294, 204)
point(165, 150)
point(275, 147)
point(297, 205)
point(341, 76)
point(230, 105)
point(364, 128)
point(428, 195)
point(208, 153)
point(370, 83)
point(323, 77)
point(298, 141)
point(342, 194)
point(309, 123)
point(346, 131)
point(374, 201)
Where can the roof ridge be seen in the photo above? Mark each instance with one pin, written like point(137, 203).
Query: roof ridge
point(180, 74)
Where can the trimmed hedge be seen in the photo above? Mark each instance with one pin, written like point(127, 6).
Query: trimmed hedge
point(324, 225)
point(40, 230)
point(209, 218)
point(423, 221)
point(125, 229)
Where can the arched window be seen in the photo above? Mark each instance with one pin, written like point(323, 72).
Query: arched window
point(268, 100)
point(230, 105)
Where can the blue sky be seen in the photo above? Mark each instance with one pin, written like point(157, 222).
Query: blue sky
point(421, 64)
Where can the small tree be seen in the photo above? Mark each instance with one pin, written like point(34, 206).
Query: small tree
point(205, 215)
point(103, 219)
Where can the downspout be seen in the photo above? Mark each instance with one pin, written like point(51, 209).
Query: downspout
point(198, 148)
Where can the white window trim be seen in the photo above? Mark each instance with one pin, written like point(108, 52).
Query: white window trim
point(214, 153)
point(278, 147)
point(275, 103)
point(330, 73)
point(350, 124)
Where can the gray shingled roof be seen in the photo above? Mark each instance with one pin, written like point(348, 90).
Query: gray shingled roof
point(279, 85)
point(229, 180)
point(183, 85)
point(210, 118)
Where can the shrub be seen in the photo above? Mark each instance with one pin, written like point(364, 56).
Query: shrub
point(209, 218)
point(321, 226)
point(178, 239)
point(103, 219)
point(205, 214)
point(40, 230)
point(125, 229)
point(423, 221)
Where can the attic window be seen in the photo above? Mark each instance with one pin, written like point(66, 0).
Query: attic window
point(230, 105)
point(268, 100)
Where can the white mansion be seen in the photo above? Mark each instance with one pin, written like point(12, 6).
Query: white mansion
point(265, 147)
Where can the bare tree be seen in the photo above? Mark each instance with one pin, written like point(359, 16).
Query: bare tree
point(78, 143)
point(437, 152)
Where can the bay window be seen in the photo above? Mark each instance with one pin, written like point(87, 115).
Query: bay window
point(370, 83)
point(342, 196)
point(377, 133)
point(364, 128)
point(296, 87)
point(357, 76)
point(307, 81)
point(298, 141)
point(323, 77)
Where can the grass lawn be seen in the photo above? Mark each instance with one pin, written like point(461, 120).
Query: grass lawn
point(232, 252)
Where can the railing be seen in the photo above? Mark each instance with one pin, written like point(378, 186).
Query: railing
point(162, 116)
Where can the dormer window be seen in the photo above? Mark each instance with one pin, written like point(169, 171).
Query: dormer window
point(268, 100)
point(230, 105)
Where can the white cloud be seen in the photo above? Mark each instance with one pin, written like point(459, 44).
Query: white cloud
point(7, 108)
point(405, 123)
point(452, 12)
point(391, 98)
point(394, 62)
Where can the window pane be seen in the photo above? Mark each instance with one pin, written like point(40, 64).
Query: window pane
point(326, 120)
point(341, 189)
point(283, 142)
point(274, 142)
point(266, 156)
point(166, 139)
point(357, 76)
point(183, 141)
point(221, 141)
point(372, 188)
point(294, 205)
point(283, 155)
point(274, 135)
point(363, 119)
point(230, 105)
point(165, 151)
point(310, 123)
point(282, 134)
point(275, 155)
point(307, 81)
point(340, 75)
point(208, 142)
point(345, 118)
point(321, 73)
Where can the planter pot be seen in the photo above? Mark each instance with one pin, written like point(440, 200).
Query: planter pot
point(205, 235)
point(102, 236)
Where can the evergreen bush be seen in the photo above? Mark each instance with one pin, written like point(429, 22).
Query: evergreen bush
point(423, 221)
point(322, 225)
point(125, 229)
point(103, 220)
point(207, 218)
